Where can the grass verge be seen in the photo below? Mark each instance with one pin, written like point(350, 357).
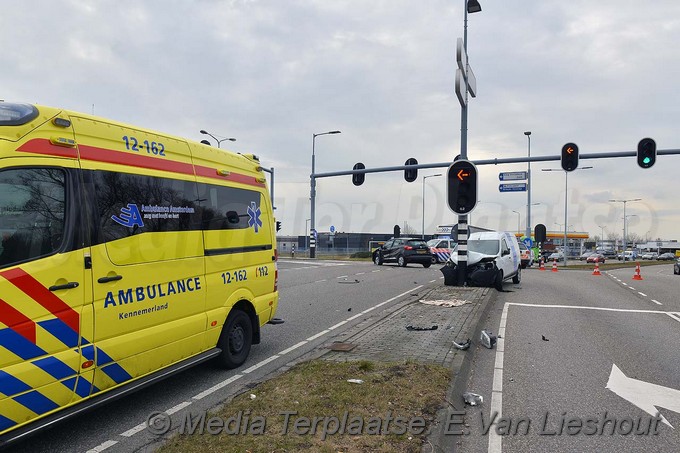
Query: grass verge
point(392, 410)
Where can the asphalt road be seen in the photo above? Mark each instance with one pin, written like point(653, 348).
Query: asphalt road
point(319, 302)
point(597, 330)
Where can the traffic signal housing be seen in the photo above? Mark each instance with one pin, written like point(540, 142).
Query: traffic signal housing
point(358, 178)
point(462, 186)
point(569, 158)
point(411, 174)
point(278, 225)
point(646, 153)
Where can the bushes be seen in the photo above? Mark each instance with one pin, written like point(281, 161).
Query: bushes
point(363, 254)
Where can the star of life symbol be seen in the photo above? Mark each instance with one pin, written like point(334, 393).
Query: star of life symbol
point(129, 216)
point(254, 216)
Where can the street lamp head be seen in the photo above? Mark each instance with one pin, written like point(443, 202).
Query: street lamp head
point(203, 132)
point(473, 6)
point(527, 133)
point(335, 132)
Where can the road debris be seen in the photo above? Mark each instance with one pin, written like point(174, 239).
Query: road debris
point(472, 399)
point(463, 346)
point(434, 327)
point(355, 381)
point(488, 339)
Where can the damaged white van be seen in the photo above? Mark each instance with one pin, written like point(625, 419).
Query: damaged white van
point(493, 257)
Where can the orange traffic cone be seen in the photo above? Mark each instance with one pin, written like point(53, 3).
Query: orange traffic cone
point(554, 268)
point(541, 265)
point(637, 275)
point(596, 271)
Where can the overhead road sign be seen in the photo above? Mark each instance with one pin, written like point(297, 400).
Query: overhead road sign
point(512, 176)
point(513, 187)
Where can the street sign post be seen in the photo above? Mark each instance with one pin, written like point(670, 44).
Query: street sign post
point(512, 176)
point(513, 187)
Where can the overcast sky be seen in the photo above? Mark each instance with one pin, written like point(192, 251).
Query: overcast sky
point(271, 73)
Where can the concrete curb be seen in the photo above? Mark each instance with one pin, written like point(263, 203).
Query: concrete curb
point(461, 365)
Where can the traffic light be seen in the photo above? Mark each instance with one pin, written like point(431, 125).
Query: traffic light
point(397, 231)
point(540, 233)
point(646, 152)
point(462, 186)
point(358, 178)
point(411, 174)
point(569, 157)
point(278, 225)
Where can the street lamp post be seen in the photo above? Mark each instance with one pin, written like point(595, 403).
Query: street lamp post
point(528, 227)
point(312, 193)
point(219, 141)
point(624, 220)
point(307, 234)
point(517, 212)
point(424, 178)
point(566, 193)
point(471, 6)
point(601, 235)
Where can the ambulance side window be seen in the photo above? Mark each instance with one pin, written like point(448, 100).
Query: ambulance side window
point(32, 213)
point(229, 208)
point(130, 204)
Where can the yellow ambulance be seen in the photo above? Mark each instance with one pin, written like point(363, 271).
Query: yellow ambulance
point(125, 255)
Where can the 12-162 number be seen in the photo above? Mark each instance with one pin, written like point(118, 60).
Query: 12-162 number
point(132, 144)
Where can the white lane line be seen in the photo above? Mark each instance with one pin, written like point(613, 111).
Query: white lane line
point(497, 388)
point(178, 408)
point(103, 446)
point(377, 270)
point(624, 283)
point(360, 273)
point(674, 316)
point(642, 294)
point(432, 281)
point(337, 325)
point(320, 281)
point(656, 302)
point(262, 363)
point(216, 387)
point(580, 307)
point(342, 276)
point(134, 430)
point(320, 334)
point(630, 287)
point(292, 348)
point(355, 317)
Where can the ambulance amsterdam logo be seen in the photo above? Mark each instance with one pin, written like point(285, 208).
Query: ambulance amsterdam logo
point(254, 216)
point(129, 216)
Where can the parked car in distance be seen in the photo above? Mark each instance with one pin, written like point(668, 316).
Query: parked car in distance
point(668, 256)
point(525, 255)
point(609, 253)
point(585, 255)
point(403, 251)
point(556, 256)
point(596, 258)
point(676, 267)
point(649, 256)
point(628, 255)
point(441, 249)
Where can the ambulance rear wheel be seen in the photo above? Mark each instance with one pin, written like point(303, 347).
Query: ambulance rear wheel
point(235, 340)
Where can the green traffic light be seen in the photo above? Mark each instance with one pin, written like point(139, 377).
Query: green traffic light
point(646, 160)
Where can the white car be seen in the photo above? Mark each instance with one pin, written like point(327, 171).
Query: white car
point(493, 257)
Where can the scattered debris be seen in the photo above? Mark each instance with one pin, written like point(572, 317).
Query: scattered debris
point(409, 327)
point(252, 396)
point(445, 302)
point(348, 281)
point(463, 346)
point(472, 399)
point(355, 381)
point(488, 339)
point(544, 338)
point(339, 346)
point(349, 309)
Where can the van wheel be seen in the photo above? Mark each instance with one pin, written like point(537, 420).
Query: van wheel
point(517, 278)
point(498, 284)
point(377, 259)
point(401, 261)
point(235, 340)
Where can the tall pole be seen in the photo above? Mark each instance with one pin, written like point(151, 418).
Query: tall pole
point(528, 227)
point(624, 221)
point(312, 196)
point(424, 178)
point(519, 231)
point(566, 188)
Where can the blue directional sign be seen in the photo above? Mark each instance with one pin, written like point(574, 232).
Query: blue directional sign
point(528, 242)
point(513, 187)
point(512, 176)
point(332, 228)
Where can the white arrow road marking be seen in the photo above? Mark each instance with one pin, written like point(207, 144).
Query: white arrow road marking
point(644, 395)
